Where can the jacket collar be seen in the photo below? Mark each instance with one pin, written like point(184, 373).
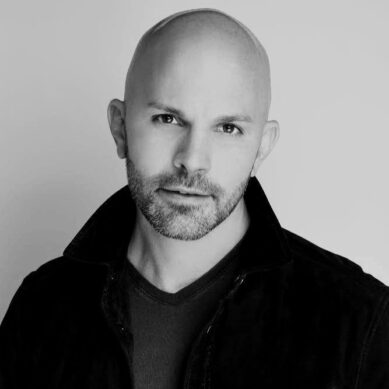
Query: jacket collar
point(107, 232)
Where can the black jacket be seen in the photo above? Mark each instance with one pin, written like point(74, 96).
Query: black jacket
point(297, 316)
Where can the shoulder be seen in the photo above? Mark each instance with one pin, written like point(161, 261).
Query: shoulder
point(349, 307)
point(332, 272)
point(59, 287)
point(61, 277)
point(349, 299)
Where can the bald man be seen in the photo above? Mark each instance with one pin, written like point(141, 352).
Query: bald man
point(184, 278)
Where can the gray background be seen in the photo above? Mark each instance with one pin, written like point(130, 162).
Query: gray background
point(62, 61)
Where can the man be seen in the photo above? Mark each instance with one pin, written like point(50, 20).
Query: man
point(184, 278)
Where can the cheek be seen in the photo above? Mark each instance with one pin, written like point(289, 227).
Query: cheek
point(231, 166)
point(149, 154)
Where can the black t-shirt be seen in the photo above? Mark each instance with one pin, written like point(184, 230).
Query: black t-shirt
point(165, 325)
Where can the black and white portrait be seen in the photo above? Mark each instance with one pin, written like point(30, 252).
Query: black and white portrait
point(194, 195)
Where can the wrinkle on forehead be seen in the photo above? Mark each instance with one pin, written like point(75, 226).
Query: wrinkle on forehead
point(206, 28)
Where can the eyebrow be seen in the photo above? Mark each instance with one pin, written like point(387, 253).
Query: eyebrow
point(223, 118)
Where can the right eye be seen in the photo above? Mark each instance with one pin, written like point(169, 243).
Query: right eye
point(165, 118)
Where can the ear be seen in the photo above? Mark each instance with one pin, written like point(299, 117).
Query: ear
point(270, 135)
point(116, 116)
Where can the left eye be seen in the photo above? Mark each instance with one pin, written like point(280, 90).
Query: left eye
point(229, 128)
point(165, 119)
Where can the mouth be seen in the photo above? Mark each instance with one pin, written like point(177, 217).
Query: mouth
point(184, 193)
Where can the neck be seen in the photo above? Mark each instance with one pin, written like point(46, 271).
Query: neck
point(171, 264)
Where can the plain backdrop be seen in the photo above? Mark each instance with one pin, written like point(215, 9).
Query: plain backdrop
point(62, 62)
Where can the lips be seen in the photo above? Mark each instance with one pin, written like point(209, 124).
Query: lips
point(185, 192)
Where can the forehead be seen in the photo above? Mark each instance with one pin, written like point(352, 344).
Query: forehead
point(210, 73)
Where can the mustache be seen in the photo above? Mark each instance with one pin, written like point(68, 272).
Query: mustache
point(195, 182)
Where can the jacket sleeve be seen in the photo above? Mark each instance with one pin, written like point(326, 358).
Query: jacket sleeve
point(374, 370)
point(12, 353)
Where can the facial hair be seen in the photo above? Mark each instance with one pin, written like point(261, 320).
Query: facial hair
point(178, 220)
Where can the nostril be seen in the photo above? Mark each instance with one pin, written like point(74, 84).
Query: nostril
point(192, 157)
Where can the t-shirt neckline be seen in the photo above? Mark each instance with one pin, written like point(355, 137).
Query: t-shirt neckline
point(146, 288)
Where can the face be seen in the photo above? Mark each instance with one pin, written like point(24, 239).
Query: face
point(192, 130)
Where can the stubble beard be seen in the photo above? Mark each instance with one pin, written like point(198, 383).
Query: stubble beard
point(178, 220)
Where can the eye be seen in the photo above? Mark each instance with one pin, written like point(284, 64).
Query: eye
point(231, 129)
point(165, 118)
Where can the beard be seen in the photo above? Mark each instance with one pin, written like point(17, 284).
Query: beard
point(182, 220)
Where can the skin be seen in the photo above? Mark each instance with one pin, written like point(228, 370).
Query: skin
point(194, 116)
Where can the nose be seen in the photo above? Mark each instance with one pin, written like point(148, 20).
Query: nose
point(192, 152)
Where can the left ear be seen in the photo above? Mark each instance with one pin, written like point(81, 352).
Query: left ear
point(270, 135)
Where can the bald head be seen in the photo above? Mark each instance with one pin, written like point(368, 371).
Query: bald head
point(203, 39)
point(195, 115)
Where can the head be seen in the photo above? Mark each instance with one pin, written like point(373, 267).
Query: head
point(194, 118)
